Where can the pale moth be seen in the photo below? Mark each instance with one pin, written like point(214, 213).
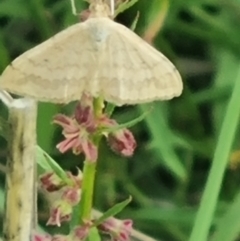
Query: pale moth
point(99, 57)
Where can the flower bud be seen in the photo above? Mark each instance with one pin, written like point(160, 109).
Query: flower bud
point(119, 230)
point(122, 142)
point(80, 232)
point(50, 182)
point(60, 212)
point(71, 195)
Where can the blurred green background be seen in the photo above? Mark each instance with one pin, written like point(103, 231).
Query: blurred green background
point(178, 141)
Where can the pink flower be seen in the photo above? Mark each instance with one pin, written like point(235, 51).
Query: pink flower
point(59, 237)
point(77, 138)
point(78, 129)
point(77, 179)
point(77, 234)
point(80, 232)
point(60, 212)
point(50, 182)
point(121, 141)
point(120, 230)
point(62, 209)
point(69, 195)
point(48, 237)
point(41, 237)
point(84, 113)
point(72, 196)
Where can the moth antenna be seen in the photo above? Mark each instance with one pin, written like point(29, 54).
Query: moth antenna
point(112, 7)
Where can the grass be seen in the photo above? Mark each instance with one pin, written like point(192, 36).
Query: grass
point(181, 178)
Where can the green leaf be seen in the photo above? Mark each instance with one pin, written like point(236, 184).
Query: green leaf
point(181, 216)
point(46, 111)
point(113, 211)
point(124, 6)
point(45, 161)
point(220, 161)
point(162, 138)
point(75, 220)
point(109, 109)
point(127, 124)
point(228, 228)
point(42, 161)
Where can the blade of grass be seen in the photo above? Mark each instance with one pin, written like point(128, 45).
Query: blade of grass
point(162, 135)
point(39, 17)
point(209, 200)
point(46, 112)
point(124, 6)
point(5, 58)
point(229, 232)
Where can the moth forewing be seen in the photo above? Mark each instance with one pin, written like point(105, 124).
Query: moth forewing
point(99, 57)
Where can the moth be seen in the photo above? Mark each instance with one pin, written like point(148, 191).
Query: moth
point(99, 57)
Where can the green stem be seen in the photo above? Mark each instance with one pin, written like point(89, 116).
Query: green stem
point(87, 190)
point(89, 171)
point(221, 156)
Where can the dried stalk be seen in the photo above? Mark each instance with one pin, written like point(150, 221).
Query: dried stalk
point(20, 200)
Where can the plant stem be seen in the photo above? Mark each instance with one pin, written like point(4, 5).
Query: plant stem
point(87, 190)
point(19, 218)
point(89, 171)
point(221, 157)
